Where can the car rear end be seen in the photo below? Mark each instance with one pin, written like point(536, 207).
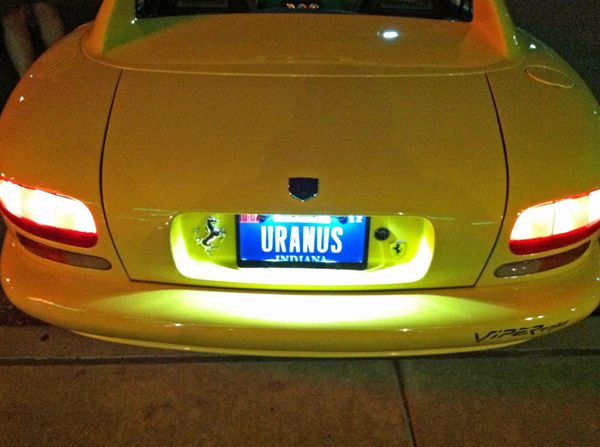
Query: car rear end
point(261, 191)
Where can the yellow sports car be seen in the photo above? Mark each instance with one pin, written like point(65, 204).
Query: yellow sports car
point(302, 178)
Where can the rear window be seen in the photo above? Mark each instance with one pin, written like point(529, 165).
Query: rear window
point(433, 9)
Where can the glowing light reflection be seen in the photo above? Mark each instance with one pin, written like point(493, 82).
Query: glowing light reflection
point(45, 208)
point(283, 218)
point(408, 272)
point(325, 309)
point(594, 207)
point(570, 214)
point(10, 194)
point(390, 34)
point(232, 310)
point(272, 309)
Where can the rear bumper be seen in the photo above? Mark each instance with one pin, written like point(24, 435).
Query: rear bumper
point(107, 305)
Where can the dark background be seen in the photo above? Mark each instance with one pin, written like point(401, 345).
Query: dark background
point(571, 28)
point(73, 13)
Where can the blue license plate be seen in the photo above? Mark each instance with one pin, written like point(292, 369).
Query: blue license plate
point(281, 240)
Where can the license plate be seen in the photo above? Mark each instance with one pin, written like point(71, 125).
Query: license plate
point(281, 240)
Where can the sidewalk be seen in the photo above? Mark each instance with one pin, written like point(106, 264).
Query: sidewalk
point(58, 388)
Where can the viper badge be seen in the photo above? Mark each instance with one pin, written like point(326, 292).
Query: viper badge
point(303, 188)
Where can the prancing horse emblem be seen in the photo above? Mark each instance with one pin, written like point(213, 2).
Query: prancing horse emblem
point(303, 188)
point(214, 235)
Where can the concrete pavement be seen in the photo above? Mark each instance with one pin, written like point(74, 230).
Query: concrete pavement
point(57, 388)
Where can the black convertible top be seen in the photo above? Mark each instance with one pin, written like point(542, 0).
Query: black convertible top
point(461, 10)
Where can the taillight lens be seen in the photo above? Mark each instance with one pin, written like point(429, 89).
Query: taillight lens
point(556, 224)
point(48, 215)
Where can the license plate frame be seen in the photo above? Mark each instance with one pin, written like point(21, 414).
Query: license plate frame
point(357, 236)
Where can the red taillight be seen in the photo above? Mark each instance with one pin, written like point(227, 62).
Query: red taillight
point(47, 215)
point(557, 224)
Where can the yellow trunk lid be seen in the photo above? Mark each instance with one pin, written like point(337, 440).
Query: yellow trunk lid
point(393, 148)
